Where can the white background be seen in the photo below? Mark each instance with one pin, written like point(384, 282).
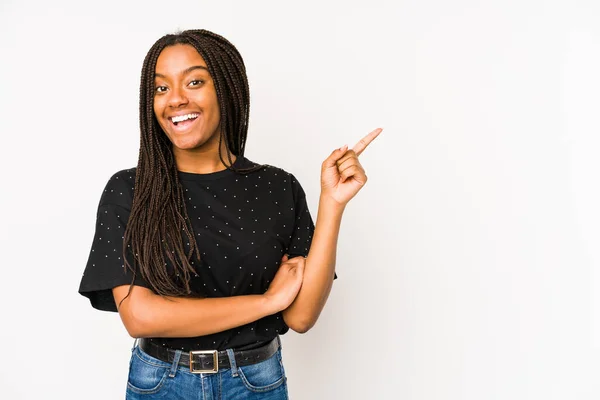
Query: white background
point(469, 264)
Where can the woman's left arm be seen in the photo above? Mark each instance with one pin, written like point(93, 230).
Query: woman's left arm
point(342, 177)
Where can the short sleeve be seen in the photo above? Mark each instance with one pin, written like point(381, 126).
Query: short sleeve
point(304, 227)
point(105, 268)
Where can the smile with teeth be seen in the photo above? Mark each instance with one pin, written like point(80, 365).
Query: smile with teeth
point(181, 118)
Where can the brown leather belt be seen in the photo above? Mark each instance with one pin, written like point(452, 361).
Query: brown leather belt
point(210, 361)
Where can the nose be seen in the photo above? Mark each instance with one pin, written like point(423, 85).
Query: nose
point(177, 98)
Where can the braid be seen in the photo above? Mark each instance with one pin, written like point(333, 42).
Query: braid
point(159, 216)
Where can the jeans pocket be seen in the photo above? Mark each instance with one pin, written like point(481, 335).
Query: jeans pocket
point(265, 375)
point(147, 375)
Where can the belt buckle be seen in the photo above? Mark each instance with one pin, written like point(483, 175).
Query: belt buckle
point(215, 368)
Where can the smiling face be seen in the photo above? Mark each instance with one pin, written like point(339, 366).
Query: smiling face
point(185, 101)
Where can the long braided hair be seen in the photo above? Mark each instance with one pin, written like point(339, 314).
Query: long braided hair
point(158, 215)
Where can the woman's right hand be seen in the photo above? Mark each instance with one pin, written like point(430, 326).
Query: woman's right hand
point(286, 284)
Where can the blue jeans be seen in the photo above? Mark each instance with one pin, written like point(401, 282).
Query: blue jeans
point(151, 378)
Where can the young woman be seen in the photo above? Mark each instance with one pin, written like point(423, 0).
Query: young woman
point(207, 256)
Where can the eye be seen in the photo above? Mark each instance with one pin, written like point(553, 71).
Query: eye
point(160, 89)
point(196, 82)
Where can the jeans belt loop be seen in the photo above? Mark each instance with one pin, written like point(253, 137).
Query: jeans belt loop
point(232, 363)
point(175, 363)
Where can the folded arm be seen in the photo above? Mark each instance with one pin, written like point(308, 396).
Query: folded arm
point(146, 314)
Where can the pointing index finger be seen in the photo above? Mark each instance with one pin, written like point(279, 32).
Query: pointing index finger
point(364, 142)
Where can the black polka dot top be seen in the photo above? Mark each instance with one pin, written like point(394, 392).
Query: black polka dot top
point(243, 226)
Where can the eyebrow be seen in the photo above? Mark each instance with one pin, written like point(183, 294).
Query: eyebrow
point(185, 71)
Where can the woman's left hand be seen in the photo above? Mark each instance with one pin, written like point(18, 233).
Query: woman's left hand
point(342, 176)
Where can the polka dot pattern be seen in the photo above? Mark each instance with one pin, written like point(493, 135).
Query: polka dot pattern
point(243, 224)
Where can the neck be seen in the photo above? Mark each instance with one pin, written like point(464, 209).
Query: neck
point(202, 160)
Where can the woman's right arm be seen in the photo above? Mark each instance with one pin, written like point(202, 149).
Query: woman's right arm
point(146, 314)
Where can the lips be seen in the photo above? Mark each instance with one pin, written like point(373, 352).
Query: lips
point(182, 117)
point(183, 125)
